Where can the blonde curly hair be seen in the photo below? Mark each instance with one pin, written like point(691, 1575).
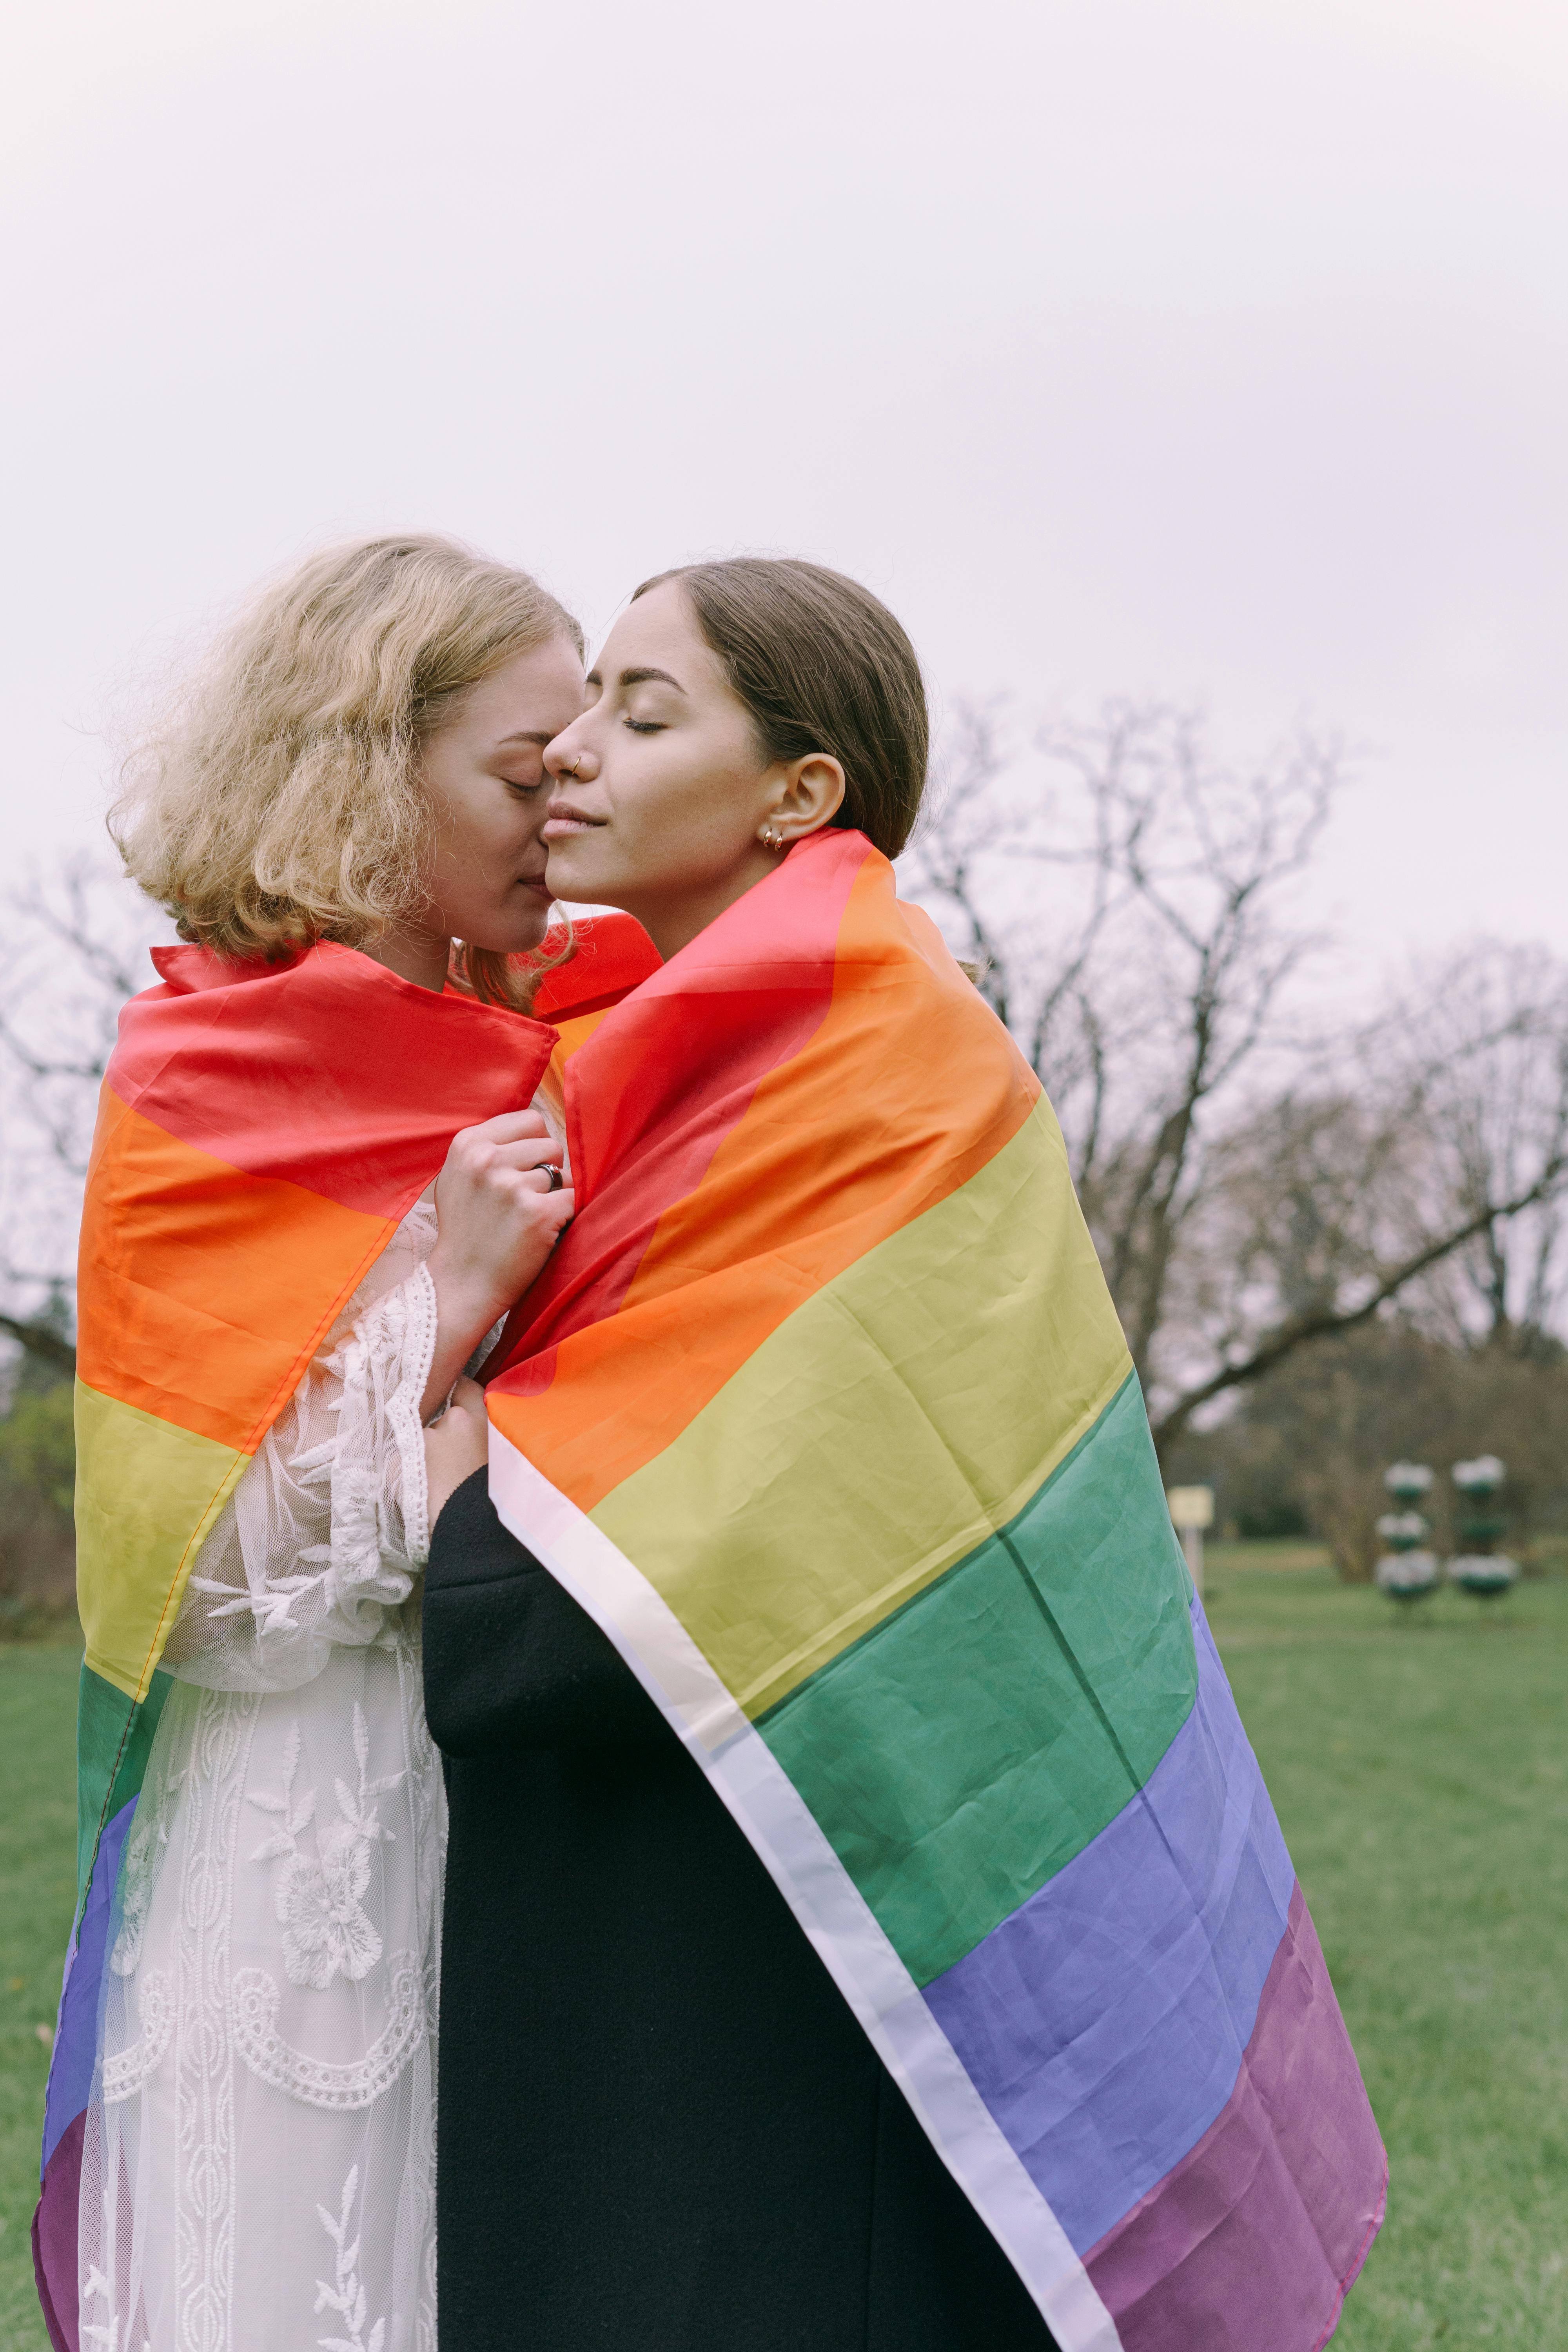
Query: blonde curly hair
point(281, 800)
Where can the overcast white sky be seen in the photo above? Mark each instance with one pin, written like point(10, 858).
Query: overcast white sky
point(1212, 350)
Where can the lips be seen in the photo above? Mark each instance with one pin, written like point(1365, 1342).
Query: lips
point(565, 820)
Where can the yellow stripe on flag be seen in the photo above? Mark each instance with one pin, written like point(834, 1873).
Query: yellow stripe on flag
point(147, 1493)
point(979, 1343)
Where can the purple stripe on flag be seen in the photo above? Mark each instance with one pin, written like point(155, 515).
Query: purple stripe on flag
point(71, 2087)
point(76, 2035)
point(1103, 2024)
point(1255, 2236)
point(55, 2238)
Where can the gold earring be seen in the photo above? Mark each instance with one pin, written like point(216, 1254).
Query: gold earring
point(771, 838)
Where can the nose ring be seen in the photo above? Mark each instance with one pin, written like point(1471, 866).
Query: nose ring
point(576, 763)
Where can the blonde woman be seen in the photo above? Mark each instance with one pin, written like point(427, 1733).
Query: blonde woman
point(355, 787)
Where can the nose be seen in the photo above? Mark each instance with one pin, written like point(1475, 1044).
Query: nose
point(569, 760)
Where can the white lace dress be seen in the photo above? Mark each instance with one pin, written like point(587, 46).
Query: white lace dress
point(259, 2173)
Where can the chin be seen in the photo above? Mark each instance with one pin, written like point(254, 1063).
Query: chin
point(571, 877)
point(517, 937)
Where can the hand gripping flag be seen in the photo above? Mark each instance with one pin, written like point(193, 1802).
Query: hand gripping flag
point(262, 1132)
point(823, 1411)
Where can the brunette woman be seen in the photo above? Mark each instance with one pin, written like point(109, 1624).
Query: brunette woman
point(661, 2127)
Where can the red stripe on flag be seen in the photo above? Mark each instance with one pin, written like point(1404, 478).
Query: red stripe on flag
point(330, 1072)
point(614, 955)
point(743, 997)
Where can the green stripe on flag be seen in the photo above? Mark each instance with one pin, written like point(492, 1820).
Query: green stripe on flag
point(962, 1753)
point(114, 1739)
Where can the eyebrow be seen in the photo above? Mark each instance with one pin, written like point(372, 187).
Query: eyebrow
point(638, 677)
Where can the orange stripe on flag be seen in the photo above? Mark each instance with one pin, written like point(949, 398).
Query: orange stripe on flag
point(205, 1290)
point(905, 1055)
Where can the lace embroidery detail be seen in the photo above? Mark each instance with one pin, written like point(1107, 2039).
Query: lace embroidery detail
point(323, 1540)
point(326, 1930)
point(318, 2082)
point(428, 1802)
point(403, 1410)
point(143, 1853)
point(346, 2295)
point(124, 2073)
point(364, 1537)
point(96, 2284)
point(273, 1607)
point(205, 2187)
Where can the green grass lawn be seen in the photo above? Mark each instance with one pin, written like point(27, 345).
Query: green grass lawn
point(38, 1876)
point(1420, 1768)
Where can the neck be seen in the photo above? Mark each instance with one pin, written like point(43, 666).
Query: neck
point(673, 923)
point(413, 955)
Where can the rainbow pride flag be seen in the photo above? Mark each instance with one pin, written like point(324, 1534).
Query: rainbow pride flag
point(262, 1132)
point(821, 1411)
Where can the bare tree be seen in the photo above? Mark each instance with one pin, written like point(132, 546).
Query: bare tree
point(1490, 1029)
point(72, 948)
point(1250, 1185)
point(1336, 1239)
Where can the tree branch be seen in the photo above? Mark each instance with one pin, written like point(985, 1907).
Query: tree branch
point(1318, 1325)
point(40, 1341)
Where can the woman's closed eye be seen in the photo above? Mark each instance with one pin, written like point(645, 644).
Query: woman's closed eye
point(646, 726)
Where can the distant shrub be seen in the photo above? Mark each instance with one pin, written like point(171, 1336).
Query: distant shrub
point(38, 1448)
point(37, 1473)
point(1307, 1447)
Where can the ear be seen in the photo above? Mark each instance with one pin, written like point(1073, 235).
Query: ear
point(811, 796)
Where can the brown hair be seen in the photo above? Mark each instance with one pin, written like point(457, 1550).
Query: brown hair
point(280, 803)
point(822, 666)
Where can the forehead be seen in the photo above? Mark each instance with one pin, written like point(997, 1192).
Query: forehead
point(660, 631)
point(542, 688)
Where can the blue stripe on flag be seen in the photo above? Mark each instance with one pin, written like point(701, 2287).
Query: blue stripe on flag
point(1103, 2024)
point(76, 2034)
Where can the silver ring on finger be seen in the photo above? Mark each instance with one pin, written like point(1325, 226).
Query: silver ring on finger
point(553, 1179)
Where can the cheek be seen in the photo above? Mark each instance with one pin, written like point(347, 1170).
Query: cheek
point(499, 828)
point(523, 821)
point(684, 820)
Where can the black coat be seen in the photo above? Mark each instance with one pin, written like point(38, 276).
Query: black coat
point(660, 2127)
